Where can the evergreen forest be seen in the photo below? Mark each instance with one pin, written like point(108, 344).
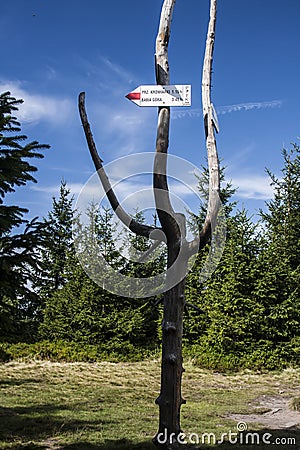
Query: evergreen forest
point(246, 315)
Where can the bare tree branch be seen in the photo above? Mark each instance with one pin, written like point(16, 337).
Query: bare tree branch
point(164, 207)
point(211, 146)
point(212, 154)
point(126, 219)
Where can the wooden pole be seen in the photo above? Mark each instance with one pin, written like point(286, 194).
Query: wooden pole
point(170, 399)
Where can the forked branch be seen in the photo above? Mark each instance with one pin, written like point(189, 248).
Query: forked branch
point(165, 211)
point(126, 219)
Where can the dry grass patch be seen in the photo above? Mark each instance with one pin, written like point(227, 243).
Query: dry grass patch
point(295, 404)
point(110, 406)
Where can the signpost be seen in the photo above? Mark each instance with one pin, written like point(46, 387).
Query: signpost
point(158, 95)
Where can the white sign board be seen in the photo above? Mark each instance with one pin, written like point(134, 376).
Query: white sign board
point(157, 95)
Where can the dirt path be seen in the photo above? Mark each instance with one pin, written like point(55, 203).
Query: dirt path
point(272, 412)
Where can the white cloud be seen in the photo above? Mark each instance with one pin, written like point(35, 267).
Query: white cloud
point(119, 126)
point(124, 128)
point(195, 113)
point(133, 192)
point(183, 113)
point(126, 123)
point(37, 107)
point(117, 69)
point(248, 106)
point(53, 189)
point(253, 186)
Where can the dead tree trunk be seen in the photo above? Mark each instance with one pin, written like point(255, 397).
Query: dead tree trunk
point(173, 225)
point(170, 398)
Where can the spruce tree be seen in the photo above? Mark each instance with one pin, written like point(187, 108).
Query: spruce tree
point(73, 312)
point(82, 310)
point(227, 333)
point(60, 221)
point(278, 288)
point(19, 238)
point(96, 236)
point(57, 244)
point(226, 192)
point(145, 261)
point(282, 218)
point(193, 324)
point(107, 234)
point(251, 304)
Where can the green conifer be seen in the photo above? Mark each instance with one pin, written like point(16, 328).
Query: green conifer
point(19, 238)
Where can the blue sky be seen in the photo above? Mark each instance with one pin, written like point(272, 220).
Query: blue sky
point(55, 49)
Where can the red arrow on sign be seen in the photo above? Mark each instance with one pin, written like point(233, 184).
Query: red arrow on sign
point(134, 96)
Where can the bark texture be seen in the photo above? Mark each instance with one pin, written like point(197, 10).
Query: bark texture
point(173, 226)
point(211, 146)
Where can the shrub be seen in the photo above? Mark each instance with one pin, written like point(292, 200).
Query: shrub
point(64, 351)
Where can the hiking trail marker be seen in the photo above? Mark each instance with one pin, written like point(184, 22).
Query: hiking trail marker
point(157, 95)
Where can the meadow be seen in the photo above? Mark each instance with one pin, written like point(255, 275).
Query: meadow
point(110, 406)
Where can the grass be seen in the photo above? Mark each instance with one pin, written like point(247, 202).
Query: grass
point(110, 406)
point(295, 404)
